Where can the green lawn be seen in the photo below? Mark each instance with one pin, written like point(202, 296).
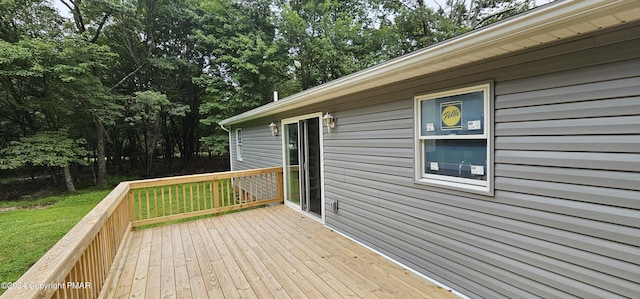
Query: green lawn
point(181, 198)
point(25, 235)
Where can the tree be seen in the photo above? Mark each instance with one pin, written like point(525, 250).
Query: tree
point(485, 12)
point(408, 25)
point(26, 30)
point(28, 19)
point(326, 39)
point(148, 111)
point(89, 20)
point(52, 149)
point(158, 52)
point(244, 63)
point(43, 81)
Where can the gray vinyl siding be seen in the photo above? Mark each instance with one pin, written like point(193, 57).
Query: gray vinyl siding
point(260, 148)
point(564, 220)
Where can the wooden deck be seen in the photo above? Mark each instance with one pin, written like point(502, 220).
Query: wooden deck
point(271, 252)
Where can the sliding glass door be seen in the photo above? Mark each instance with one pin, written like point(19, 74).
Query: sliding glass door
point(303, 164)
point(292, 163)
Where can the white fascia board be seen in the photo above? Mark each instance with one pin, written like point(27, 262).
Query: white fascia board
point(491, 39)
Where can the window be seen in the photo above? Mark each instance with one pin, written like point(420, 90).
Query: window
point(453, 139)
point(239, 144)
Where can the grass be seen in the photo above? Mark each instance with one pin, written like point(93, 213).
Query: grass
point(176, 199)
point(181, 198)
point(29, 234)
point(293, 188)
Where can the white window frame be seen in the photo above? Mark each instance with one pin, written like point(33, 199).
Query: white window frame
point(450, 182)
point(239, 150)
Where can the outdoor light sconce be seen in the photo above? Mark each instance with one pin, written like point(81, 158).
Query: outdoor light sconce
point(274, 129)
point(329, 121)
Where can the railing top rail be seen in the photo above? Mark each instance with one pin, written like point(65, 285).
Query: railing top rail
point(57, 262)
point(200, 177)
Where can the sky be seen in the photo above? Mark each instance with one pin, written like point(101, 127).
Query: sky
point(63, 10)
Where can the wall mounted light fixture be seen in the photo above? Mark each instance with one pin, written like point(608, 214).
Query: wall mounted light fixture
point(274, 129)
point(329, 121)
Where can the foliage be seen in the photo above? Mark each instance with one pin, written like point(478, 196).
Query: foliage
point(326, 39)
point(154, 40)
point(244, 63)
point(28, 18)
point(51, 149)
point(147, 111)
point(485, 12)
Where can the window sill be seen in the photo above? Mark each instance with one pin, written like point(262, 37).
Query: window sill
point(447, 185)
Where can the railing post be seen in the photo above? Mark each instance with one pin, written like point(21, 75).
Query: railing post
point(130, 202)
point(280, 188)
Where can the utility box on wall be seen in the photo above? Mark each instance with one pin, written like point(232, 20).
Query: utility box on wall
point(333, 203)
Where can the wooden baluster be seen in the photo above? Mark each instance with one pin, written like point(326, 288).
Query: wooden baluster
point(147, 201)
point(198, 196)
point(253, 187)
point(162, 199)
point(205, 196)
point(139, 205)
point(216, 194)
point(230, 189)
point(177, 200)
point(155, 201)
point(191, 195)
point(184, 198)
point(170, 201)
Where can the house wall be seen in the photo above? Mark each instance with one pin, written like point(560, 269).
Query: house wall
point(565, 217)
point(260, 148)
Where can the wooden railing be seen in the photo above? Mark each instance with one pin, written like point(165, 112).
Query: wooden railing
point(161, 200)
point(86, 258)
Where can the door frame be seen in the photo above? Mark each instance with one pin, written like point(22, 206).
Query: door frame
point(296, 119)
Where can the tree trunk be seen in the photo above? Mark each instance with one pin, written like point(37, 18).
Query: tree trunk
point(101, 181)
point(53, 174)
point(68, 179)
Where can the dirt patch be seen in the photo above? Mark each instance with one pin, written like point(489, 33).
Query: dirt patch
point(36, 207)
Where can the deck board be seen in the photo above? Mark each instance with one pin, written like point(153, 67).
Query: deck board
point(183, 287)
point(123, 288)
point(152, 288)
point(211, 284)
point(139, 285)
point(167, 283)
point(196, 279)
point(272, 252)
